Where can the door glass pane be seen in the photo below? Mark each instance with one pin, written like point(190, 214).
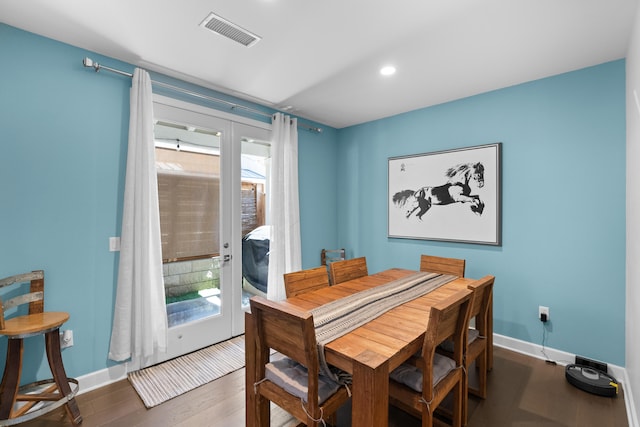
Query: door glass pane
point(255, 161)
point(188, 170)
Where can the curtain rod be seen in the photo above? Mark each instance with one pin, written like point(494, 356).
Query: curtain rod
point(88, 62)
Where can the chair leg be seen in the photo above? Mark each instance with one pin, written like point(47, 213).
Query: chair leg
point(481, 369)
point(427, 416)
point(52, 341)
point(458, 405)
point(11, 378)
point(465, 395)
point(263, 411)
point(482, 374)
point(428, 420)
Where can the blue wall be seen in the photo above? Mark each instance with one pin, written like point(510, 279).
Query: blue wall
point(563, 202)
point(64, 137)
point(64, 133)
point(318, 184)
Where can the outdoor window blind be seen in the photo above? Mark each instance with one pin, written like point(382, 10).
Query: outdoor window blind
point(189, 215)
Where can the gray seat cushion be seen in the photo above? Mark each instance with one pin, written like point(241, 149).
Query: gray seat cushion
point(294, 378)
point(472, 335)
point(411, 376)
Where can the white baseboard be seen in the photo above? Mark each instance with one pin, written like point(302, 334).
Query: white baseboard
point(632, 415)
point(101, 378)
point(563, 358)
point(115, 373)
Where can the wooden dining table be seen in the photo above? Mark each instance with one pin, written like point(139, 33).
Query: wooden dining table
point(369, 352)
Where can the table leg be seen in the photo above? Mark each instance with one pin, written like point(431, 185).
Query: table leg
point(370, 400)
point(249, 371)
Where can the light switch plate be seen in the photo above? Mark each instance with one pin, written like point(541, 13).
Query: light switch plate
point(114, 244)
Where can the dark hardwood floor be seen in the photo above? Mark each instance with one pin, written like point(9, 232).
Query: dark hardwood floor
point(523, 392)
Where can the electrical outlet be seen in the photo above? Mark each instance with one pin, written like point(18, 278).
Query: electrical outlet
point(66, 338)
point(543, 310)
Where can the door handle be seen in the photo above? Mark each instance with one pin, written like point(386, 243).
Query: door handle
point(226, 258)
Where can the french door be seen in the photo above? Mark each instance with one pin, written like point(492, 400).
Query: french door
point(201, 177)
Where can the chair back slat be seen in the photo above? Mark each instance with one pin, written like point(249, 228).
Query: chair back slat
point(22, 299)
point(436, 264)
point(22, 278)
point(349, 269)
point(303, 281)
point(35, 297)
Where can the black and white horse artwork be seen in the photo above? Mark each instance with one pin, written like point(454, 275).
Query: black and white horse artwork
point(456, 190)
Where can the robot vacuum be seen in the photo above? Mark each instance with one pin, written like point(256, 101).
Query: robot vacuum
point(591, 380)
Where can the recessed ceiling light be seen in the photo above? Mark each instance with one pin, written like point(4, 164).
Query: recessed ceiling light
point(388, 70)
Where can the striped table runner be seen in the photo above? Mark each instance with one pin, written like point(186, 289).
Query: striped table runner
point(337, 318)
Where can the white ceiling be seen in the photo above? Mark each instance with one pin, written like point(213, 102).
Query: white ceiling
point(322, 57)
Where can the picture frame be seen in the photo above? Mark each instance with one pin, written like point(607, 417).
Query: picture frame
point(452, 195)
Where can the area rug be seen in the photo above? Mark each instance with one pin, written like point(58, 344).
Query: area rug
point(159, 383)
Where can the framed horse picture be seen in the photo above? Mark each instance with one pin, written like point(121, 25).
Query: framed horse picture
point(451, 195)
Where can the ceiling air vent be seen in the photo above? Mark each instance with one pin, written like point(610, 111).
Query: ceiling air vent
point(221, 26)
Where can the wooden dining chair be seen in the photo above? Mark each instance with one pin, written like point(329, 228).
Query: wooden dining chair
point(420, 386)
point(477, 341)
point(303, 281)
point(293, 382)
point(436, 264)
point(349, 269)
point(21, 403)
point(477, 338)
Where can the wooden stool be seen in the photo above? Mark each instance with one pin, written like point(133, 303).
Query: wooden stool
point(17, 402)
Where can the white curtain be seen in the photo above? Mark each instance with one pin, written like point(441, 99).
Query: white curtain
point(140, 318)
point(284, 247)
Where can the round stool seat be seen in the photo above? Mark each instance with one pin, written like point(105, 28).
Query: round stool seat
point(22, 326)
